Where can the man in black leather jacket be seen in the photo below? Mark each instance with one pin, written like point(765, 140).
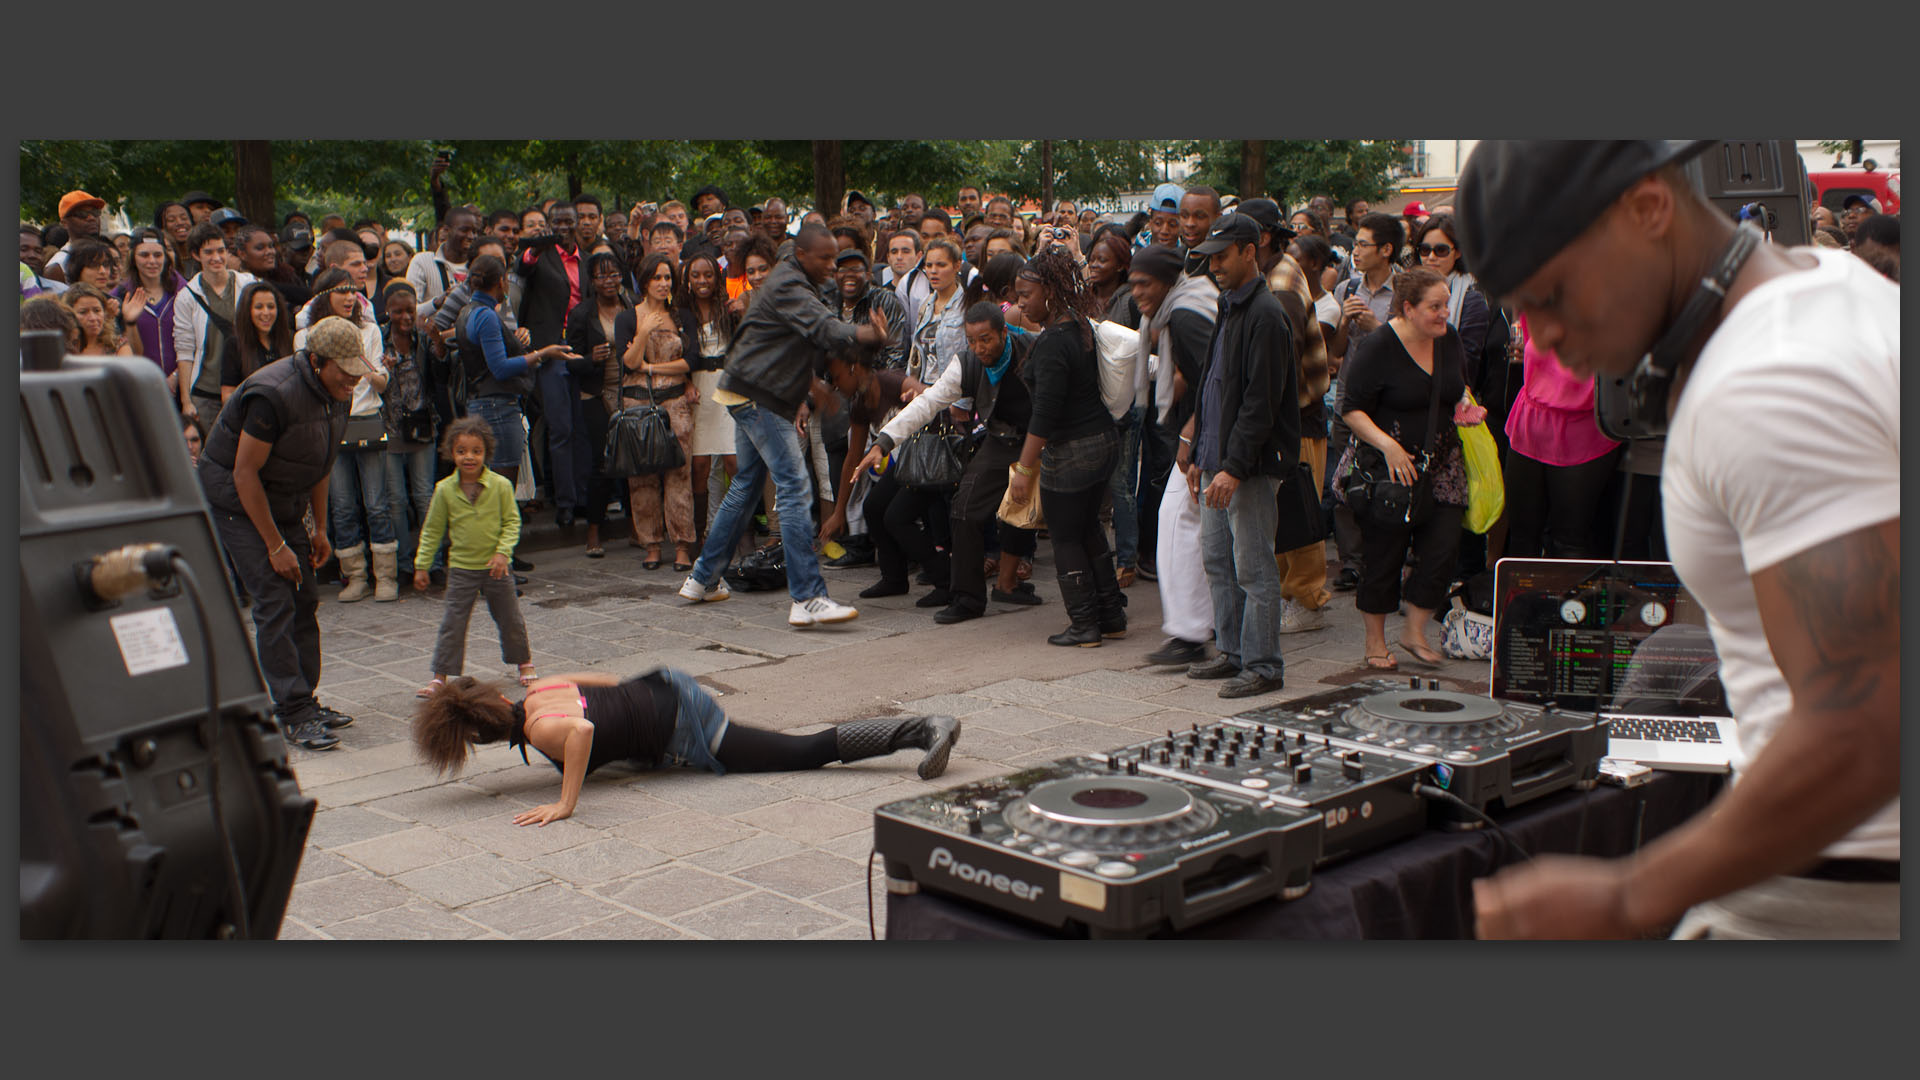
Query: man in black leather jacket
point(776, 356)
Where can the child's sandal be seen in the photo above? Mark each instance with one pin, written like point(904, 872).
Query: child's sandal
point(428, 690)
point(528, 675)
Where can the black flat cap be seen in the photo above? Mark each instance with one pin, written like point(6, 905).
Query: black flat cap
point(1521, 201)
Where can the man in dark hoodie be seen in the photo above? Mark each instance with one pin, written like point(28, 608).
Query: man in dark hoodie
point(777, 353)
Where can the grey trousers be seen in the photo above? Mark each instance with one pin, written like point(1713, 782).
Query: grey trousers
point(1798, 908)
point(450, 649)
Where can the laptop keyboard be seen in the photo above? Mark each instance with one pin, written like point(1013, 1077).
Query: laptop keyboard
point(1663, 729)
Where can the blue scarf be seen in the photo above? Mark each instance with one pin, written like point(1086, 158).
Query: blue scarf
point(999, 369)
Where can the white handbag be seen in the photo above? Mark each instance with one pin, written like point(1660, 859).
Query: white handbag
point(1466, 635)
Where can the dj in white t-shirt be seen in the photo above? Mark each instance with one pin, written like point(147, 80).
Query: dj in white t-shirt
point(1781, 487)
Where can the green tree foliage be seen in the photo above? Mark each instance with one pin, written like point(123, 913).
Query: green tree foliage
point(1082, 168)
point(1298, 169)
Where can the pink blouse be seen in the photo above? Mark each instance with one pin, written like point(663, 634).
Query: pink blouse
point(1552, 419)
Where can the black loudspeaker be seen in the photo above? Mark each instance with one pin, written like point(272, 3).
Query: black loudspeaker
point(117, 830)
point(1767, 181)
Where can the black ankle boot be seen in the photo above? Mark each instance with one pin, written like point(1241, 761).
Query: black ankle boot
point(1110, 604)
point(1082, 607)
point(872, 738)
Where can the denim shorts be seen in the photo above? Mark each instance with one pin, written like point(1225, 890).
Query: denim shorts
point(698, 724)
point(509, 437)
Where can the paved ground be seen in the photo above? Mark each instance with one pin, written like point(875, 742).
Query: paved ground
point(397, 852)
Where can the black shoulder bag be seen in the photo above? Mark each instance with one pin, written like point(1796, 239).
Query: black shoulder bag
point(933, 458)
point(640, 441)
point(1372, 492)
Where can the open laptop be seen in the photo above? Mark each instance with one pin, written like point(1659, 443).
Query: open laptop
point(1624, 639)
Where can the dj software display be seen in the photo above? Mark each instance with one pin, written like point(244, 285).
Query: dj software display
point(1174, 830)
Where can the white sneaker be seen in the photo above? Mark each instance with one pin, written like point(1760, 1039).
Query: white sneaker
point(1294, 618)
point(693, 590)
point(819, 610)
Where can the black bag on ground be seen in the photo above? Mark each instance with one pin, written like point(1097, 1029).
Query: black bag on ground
point(640, 442)
point(933, 457)
point(1302, 522)
point(762, 571)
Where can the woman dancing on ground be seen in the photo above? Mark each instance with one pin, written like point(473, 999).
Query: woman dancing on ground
point(663, 717)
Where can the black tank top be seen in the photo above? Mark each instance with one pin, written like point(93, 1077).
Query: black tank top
point(632, 722)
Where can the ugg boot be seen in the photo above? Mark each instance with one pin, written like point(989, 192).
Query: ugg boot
point(353, 567)
point(1110, 604)
point(872, 738)
point(1082, 607)
point(386, 568)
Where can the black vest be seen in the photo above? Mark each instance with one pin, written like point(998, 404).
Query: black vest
point(470, 362)
point(302, 456)
point(1007, 408)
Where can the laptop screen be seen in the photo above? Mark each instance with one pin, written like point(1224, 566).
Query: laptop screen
point(1638, 648)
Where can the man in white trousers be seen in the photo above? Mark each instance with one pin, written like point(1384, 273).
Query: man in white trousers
point(1177, 311)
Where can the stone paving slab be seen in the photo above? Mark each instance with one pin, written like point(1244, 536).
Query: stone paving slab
point(397, 851)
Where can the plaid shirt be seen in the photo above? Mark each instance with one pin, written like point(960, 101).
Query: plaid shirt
point(1287, 276)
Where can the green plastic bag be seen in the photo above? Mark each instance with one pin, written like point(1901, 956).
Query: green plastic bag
point(1486, 489)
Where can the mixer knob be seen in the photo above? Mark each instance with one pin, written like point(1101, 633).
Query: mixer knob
point(1166, 756)
point(1302, 773)
point(1433, 684)
point(973, 823)
point(1413, 682)
point(1113, 762)
point(1253, 752)
point(1209, 755)
point(1294, 758)
point(1186, 761)
point(1353, 767)
point(1299, 738)
point(1229, 760)
point(1133, 767)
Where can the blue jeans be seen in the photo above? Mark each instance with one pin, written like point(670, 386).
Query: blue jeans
point(1236, 545)
point(569, 456)
point(698, 726)
point(763, 443)
point(409, 494)
point(359, 482)
point(1126, 478)
point(503, 415)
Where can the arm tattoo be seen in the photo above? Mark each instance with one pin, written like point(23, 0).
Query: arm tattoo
point(1847, 596)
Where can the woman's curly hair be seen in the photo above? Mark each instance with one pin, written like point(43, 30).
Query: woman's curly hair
point(1066, 289)
point(462, 711)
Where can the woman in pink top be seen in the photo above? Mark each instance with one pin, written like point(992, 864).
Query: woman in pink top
point(1558, 463)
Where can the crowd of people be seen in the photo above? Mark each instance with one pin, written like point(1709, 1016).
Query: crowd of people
point(1147, 393)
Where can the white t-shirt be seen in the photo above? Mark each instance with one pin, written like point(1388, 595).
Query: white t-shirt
point(424, 273)
point(1787, 436)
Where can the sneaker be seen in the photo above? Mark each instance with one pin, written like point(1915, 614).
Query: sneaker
point(1179, 651)
point(883, 587)
point(1022, 594)
point(854, 555)
point(312, 735)
point(1347, 580)
point(818, 611)
point(1294, 619)
point(333, 718)
point(1250, 684)
point(1217, 668)
point(1147, 572)
point(693, 590)
point(940, 597)
point(521, 564)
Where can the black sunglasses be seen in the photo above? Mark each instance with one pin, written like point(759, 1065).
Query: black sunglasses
point(1442, 250)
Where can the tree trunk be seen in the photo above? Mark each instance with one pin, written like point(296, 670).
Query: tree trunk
point(1253, 168)
point(1046, 179)
point(573, 175)
point(829, 177)
point(253, 180)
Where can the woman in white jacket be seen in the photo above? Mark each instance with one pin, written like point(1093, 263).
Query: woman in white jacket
point(359, 481)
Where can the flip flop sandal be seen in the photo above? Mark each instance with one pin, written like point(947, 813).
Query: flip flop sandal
point(527, 675)
point(1023, 569)
point(650, 564)
point(596, 553)
point(1419, 659)
point(427, 691)
point(1125, 577)
point(682, 567)
point(1390, 665)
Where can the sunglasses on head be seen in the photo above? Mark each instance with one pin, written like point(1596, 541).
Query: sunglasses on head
point(1442, 250)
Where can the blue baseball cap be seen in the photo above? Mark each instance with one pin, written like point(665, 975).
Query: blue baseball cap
point(1167, 197)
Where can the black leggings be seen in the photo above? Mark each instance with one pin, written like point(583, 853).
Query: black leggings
point(1073, 521)
point(746, 749)
point(908, 525)
point(1432, 547)
point(1551, 509)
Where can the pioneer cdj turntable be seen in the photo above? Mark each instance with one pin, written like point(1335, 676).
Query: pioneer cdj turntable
point(1490, 754)
point(1081, 843)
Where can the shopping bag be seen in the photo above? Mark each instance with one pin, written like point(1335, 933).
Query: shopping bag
point(1021, 515)
point(1486, 489)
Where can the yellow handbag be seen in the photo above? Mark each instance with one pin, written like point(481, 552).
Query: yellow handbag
point(1021, 515)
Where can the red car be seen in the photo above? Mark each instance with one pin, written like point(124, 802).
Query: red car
point(1832, 186)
